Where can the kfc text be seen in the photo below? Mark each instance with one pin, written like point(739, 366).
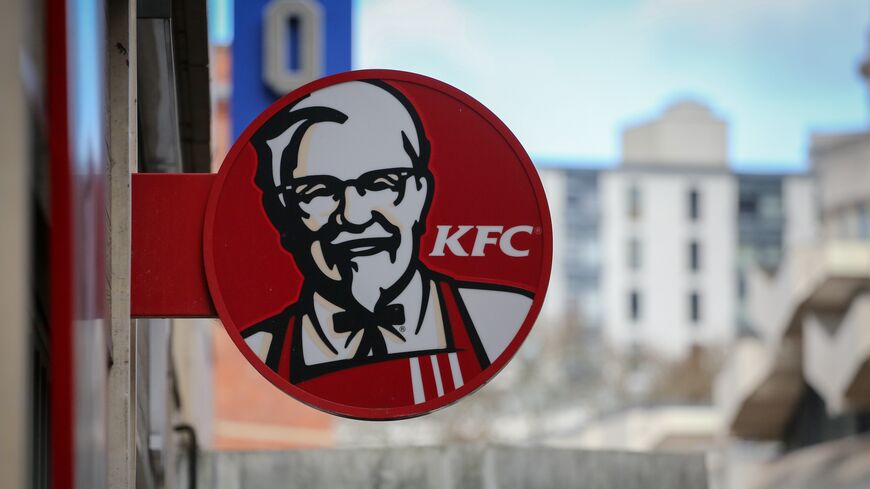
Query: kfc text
point(486, 235)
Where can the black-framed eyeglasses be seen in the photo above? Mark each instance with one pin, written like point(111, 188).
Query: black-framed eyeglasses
point(306, 189)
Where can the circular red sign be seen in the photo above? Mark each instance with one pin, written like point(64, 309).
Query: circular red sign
point(377, 244)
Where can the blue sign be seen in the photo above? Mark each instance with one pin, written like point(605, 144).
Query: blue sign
point(279, 45)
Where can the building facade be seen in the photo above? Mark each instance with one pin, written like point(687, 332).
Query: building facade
point(774, 211)
point(669, 225)
point(93, 91)
point(655, 251)
point(574, 294)
point(801, 384)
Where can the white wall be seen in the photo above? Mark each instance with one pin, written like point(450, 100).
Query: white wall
point(840, 162)
point(664, 278)
point(801, 214)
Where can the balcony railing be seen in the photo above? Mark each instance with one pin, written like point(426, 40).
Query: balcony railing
point(822, 276)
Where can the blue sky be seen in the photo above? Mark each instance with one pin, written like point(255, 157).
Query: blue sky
point(566, 76)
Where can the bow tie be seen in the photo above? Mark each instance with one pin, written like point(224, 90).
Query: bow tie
point(361, 320)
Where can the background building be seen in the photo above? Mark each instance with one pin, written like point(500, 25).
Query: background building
point(774, 211)
point(668, 233)
point(574, 294)
point(801, 386)
point(761, 222)
point(665, 241)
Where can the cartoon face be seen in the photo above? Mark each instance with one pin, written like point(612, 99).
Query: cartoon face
point(356, 187)
point(332, 275)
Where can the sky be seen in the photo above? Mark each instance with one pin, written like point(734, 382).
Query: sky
point(567, 76)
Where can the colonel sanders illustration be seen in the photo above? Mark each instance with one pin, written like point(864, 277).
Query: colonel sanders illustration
point(345, 181)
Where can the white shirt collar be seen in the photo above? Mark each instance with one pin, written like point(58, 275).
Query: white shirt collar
point(429, 337)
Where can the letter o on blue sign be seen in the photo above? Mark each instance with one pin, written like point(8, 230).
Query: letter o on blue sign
point(277, 16)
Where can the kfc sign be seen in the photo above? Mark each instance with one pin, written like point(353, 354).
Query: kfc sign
point(485, 235)
point(377, 244)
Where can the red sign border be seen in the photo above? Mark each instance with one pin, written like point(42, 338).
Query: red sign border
point(395, 413)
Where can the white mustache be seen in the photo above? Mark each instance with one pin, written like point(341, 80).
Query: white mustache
point(373, 231)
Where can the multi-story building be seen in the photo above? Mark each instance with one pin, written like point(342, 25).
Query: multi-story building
point(761, 219)
point(669, 221)
point(574, 295)
point(655, 250)
point(803, 384)
point(582, 258)
point(664, 241)
point(773, 211)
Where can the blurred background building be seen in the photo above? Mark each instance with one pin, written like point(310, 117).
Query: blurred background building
point(669, 235)
point(800, 383)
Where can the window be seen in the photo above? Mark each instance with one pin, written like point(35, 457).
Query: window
point(695, 307)
point(769, 255)
point(587, 251)
point(770, 206)
point(747, 204)
point(741, 284)
point(590, 307)
point(694, 204)
point(634, 257)
point(634, 305)
point(694, 256)
point(634, 201)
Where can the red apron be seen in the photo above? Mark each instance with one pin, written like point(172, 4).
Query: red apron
point(405, 380)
